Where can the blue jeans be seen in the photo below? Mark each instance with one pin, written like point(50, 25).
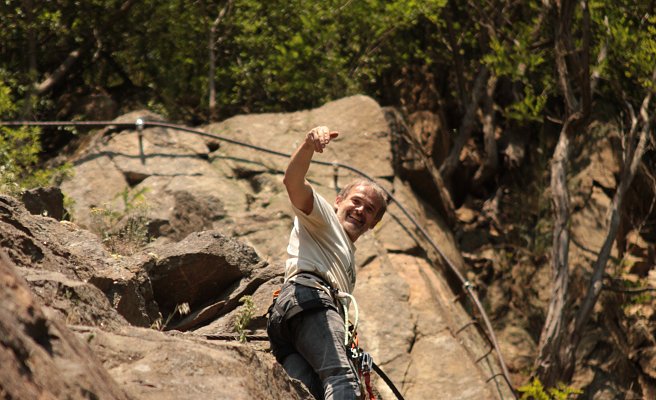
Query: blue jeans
point(307, 337)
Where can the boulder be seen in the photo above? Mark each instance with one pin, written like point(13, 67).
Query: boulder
point(69, 270)
point(205, 269)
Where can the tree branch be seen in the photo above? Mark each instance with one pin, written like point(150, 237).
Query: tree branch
point(74, 56)
point(629, 291)
point(562, 50)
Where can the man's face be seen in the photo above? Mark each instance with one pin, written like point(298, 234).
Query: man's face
point(358, 210)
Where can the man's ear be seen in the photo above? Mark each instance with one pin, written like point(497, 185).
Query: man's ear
point(376, 221)
point(338, 200)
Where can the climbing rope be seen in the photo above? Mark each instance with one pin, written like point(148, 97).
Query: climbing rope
point(387, 380)
point(467, 286)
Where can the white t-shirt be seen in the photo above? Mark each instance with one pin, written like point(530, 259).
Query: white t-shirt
point(318, 244)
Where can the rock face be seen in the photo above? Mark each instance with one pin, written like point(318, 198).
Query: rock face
point(44, 359)
point(41, 358)
point(65, 325)
point(220, 219)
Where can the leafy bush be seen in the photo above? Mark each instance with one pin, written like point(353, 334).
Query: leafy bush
point(19, 154)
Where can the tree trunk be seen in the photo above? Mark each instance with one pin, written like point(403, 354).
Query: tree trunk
point(213, 110)
point(557, 346)
point(549, 362)
point(450, 164)
point(28, 6)
point(489, 165)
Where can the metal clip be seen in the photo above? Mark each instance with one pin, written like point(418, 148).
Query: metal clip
point(355, 353)
point(366, 362)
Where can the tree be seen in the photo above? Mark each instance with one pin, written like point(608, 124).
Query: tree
point(562, 332)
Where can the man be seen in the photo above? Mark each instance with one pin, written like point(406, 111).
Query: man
point(306, 322)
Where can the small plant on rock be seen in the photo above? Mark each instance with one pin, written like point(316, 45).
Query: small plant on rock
point(123, 232)
point(244, 317)
point(181, 309)
point(536, 391)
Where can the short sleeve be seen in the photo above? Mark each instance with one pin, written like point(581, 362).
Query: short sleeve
point(321, 212)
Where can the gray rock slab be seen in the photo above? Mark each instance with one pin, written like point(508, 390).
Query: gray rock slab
point(152, 365)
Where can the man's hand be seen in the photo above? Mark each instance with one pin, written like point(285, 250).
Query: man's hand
point(319, 137)
point(298, 188)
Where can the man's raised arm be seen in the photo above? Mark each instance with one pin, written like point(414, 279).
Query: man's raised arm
point(298, 188)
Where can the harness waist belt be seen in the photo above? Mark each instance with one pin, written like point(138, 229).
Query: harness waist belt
point(314, 281)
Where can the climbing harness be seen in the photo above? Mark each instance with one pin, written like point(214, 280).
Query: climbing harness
point(348, 333)
point(360, 359)
point(341, 299)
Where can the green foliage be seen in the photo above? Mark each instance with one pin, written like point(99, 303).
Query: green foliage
point(19, 154)
point(530, 108)
point(515, 57)
point(271, 56)
point(286, 55)
point(535, 391)
point(123, 231)
point(6, 106)
point(69, 204)
point(244, 317)
point(630, 32)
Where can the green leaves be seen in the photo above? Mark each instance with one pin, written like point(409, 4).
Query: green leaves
point(7, 107)
point(515, 59)
point(296, 54)
point(536, 391)
point(19, 153)
point(19, 156)
point(628, 30)
point(529, 108)
point(244, 317)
